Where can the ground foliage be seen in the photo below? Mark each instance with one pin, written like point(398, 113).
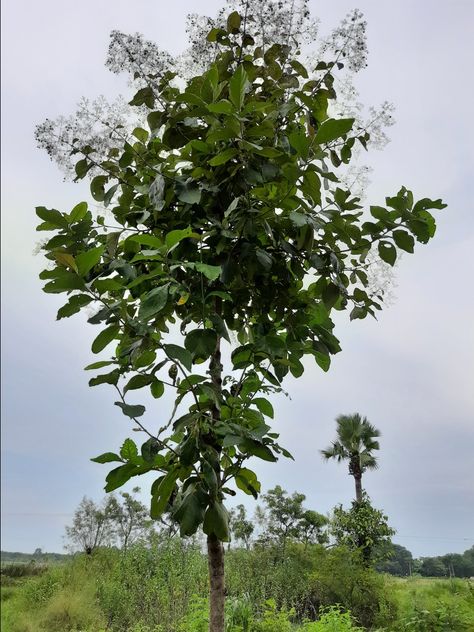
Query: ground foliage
point(161, 589)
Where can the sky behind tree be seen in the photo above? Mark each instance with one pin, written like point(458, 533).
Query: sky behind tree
point(410, 372)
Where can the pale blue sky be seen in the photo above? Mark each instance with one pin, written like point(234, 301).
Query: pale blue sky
point(411, 372)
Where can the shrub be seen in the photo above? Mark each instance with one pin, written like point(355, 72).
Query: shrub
point(332, 619)
point(342, 578)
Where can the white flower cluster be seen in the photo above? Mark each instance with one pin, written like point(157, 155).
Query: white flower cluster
point(96, 124)
point(138, 57)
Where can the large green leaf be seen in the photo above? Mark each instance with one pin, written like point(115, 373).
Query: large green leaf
point(211, 272)
point(153, 302)
point(52, 217)
point(332, 129)
point(89, 259)
point(263, 406)
point(190, 514)
point(223, 157)
point(162, 493)
point(201, 343)
point(188, 192)
point(73, 306)
point(105, 338)
point(387, 252)
point(131, 410)
point(129, 450)
point(175, 236)
point(216, 522)
point(404, 240)
point(238, 86)
point(247, 481)
point(177, 353)
point(119, 476)
point(107, 457)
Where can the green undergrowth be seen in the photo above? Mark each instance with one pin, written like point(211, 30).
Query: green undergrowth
point(164, 589)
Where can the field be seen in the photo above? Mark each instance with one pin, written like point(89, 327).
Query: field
point(163, 589)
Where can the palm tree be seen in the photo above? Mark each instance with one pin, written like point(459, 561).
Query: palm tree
point(356, 441)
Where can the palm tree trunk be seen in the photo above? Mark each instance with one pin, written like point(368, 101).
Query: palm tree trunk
point(215, 553)
point(358, 486)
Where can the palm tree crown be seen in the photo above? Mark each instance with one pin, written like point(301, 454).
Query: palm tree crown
point(356, 442)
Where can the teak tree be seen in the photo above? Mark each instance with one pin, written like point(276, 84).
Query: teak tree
point(225, 226)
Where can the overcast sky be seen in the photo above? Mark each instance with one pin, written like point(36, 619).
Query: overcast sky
point(411, 372)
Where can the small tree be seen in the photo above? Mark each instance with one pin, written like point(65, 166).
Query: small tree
point(240, 526)
point(228, 226)
point(355, 443)
point(311, 528)
point(362, 528)
point(130, 518)
point(91, 525)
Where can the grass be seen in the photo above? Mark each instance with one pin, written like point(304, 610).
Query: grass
point(164, 590)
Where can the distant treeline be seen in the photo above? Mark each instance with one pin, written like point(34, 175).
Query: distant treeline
point(37, 556)
point(400, 562)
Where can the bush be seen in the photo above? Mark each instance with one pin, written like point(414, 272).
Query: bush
point(332, 619)
point(342, 578)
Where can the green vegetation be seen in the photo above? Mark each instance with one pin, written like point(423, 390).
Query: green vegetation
point(163, 587)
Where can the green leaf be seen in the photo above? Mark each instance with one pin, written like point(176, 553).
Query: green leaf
point(129, 450)
point(175, 236)
point(210, 272)
point(82, 167)
point(78, 212)
point(145, 96)
point(223, 157)
point(150, 450)
point(263, 406)
point(387, 252)
point(178, 354)
point(105, 338)
point(238, 86)
point(107, 457)
point(404, 240)
point(138, 381)
point(157, 388)
point(216, 522)
point(426, 203)
point(73, 306)
point(258, 449)
point(89, 259)
point(106, 378)
point(247, 481)
point(233, 22)
point(221, 107)
point(51, 216)
point(118, 477)
point(131, 410)
point(189, 514)
point(153, 302)
point(98, 365)
point(98, 187)
point(141, 134)
point(161, 495)
point(201, 343)
point(188, 192)
point(323, 360)
point(332, 129)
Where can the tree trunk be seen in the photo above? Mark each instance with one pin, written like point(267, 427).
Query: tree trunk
point(358, 486)
point(215, 553)
point(215, 548)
